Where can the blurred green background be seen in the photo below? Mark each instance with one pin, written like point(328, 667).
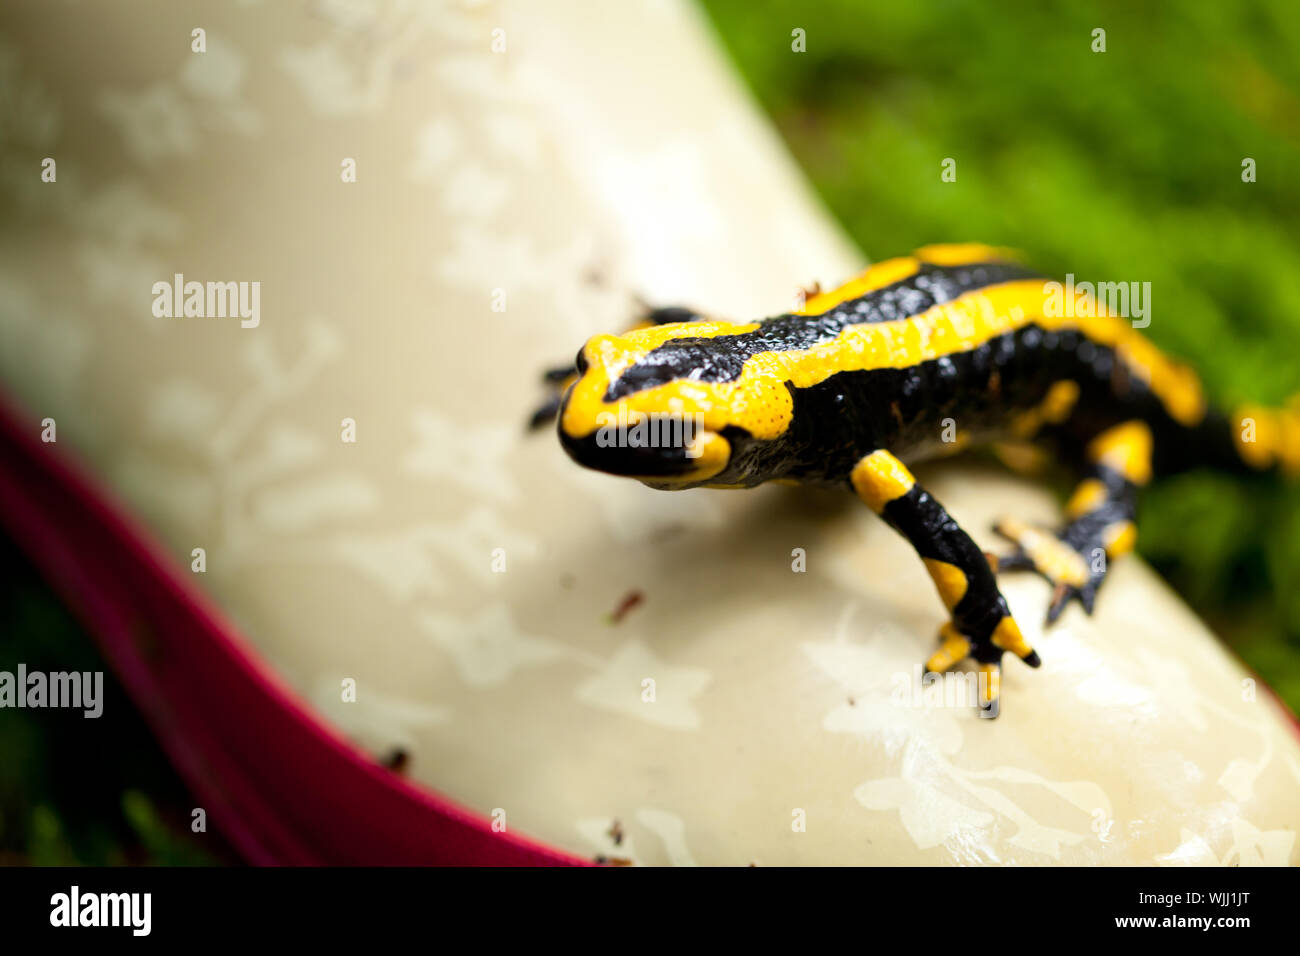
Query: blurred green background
point(1123, 166)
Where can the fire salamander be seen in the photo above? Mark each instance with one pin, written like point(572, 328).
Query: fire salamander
point(863, 381)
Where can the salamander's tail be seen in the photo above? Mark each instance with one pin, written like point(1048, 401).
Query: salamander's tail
point(1267, 439)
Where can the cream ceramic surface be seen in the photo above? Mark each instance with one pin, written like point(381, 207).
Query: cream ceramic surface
point(559, 158)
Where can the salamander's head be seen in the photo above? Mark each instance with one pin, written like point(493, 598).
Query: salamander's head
point(655, 405)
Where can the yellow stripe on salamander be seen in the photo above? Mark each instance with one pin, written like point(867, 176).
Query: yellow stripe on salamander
point(965, 254)
point(759, 402)
point(609, 356)
point(889, 271)
point(876, 277)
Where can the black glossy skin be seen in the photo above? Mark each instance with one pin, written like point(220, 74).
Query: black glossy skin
point(981, 390)
point(982, 393)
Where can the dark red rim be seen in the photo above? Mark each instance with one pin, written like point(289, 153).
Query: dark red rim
point(281, 785)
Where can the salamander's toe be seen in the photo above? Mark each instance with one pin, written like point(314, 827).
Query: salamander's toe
point(954, 647)
point(560, 375)
point(1044, 552)
point(1063, 594)
point(545, 413)
point(557, 380)
point(1015, 561)
point(990, 690)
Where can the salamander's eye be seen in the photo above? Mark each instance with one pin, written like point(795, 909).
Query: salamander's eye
point(580, 363)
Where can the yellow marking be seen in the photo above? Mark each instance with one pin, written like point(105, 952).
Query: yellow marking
point(955, 646)
point(991, 683)
point(608, 356)
point(1119, 538)
point(944, 329)
point(1055, 408)
point(759, 401)
point(714, 453)
point(1174, 383)
point(1090, 494)
point(1256, 436)
point(1051, 556)
point(879, 478)
point(1022, 457)
point(1007, 636)
point(1126, 449)
point(964, 254)
point(960, 442)
point(875, 277)
point(1059, 401)
point(1268, 437)
point(949, 579)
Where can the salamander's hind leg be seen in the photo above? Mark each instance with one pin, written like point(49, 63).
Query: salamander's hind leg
point(1100, 524)
point(558, 379)
point(981, 626)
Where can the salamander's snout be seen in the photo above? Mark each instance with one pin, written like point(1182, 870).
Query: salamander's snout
point(638, 445)
point(657, 436)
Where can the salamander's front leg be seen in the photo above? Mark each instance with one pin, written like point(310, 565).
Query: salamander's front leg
point(981, 626)
point(1101, 513)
